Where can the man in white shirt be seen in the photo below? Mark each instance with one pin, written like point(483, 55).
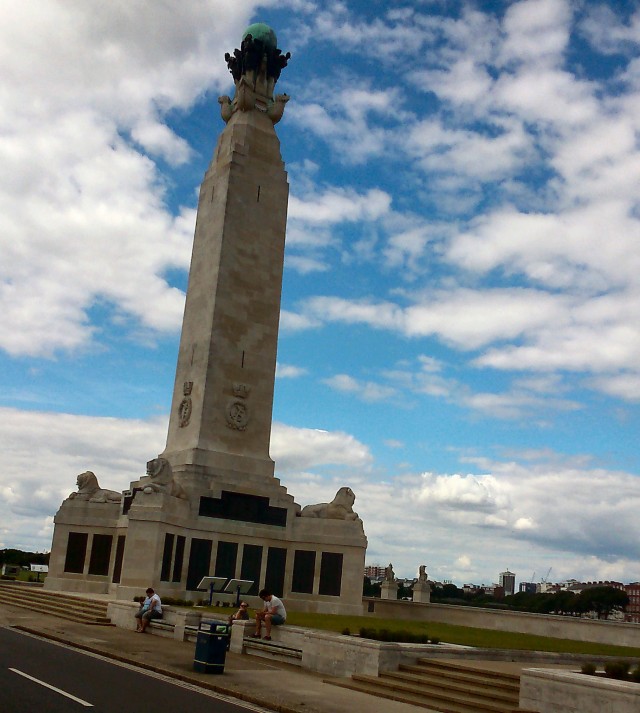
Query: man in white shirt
point(273, 614)
point(150, 609)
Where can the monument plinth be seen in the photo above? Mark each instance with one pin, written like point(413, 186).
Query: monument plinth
point(210, 504)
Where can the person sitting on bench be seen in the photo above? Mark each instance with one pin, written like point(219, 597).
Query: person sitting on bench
point(273, 614)
point(151, 609)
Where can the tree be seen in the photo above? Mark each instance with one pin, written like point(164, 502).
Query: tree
point(370, 589)
point(602, 600)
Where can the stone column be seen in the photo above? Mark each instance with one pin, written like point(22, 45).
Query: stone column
point(223, 393)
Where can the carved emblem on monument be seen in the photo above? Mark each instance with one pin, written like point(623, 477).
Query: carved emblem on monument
point(186, 405)
point(237, 410)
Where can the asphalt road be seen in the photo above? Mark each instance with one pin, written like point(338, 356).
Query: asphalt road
point(37, 675)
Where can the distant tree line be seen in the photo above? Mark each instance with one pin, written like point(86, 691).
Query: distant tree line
point(601, 600)
point(21, 558)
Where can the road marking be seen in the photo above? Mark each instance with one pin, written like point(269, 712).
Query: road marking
point(53, 688)
point(131, 666)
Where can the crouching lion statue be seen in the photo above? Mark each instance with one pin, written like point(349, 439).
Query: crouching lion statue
point(161, 479)
point(340, 508)
point(90, 490)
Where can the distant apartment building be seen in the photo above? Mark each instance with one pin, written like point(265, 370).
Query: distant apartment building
point(528, 587)
point(508, 582)
point(633, 608)
point(374, 571)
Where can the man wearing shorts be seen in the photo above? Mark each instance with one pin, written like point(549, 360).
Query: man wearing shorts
point(150, 609)
point(273, 614)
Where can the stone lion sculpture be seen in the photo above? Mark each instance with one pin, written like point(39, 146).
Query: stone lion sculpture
point(90, 490)
point(161, 479)
point(340, 508)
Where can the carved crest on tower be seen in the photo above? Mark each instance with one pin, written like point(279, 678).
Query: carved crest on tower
point(186, 406)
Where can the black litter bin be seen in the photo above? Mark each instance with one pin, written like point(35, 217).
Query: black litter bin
point(211, 647)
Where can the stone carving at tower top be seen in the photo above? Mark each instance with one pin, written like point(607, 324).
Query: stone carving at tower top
point(256, 68)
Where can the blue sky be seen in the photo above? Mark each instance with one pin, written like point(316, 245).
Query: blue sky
point(460, 330)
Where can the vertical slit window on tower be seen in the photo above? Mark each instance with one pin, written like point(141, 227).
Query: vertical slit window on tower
point(242, 363)
point(213, 190)
point(258, 198)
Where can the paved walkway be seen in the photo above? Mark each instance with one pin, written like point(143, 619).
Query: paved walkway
point(272, 685)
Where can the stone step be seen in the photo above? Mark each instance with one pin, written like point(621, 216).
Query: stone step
point(444, 686)
point(456, 678)
point(273, 651)
point(487, 700)
point(55, 600)
point(70, 608)
point(489, 689)
point(433, 703)
point(453, 669)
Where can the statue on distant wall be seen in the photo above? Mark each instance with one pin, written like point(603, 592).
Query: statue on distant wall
point(340, 508)
point(389, 574)
point(422, 573)
point(90, 490)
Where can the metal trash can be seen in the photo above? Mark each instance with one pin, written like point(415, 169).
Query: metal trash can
point(211, 647)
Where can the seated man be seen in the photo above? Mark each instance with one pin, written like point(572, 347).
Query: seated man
point(273, 613)
point(151, 609)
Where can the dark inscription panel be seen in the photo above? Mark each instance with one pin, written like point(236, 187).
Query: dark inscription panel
point(177, 565)
point(304, 565)
point(251, 565)
point(330, 574)
point(226, 558)
point(167, 553)
point(76, 551)
point(244, 508)
point(100, 554)
point(199, 560)
point(276, 565)
point(117, 567)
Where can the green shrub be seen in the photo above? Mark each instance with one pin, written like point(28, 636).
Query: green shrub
point(176, 602)
point(588, 668)
point(346, 631)
point(617, 669)
point(401, 636)
point(434, 640)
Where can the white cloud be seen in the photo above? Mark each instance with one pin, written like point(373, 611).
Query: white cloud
point(83, 220)
point(537, 31)
point(365, 390)
point(303, 448)
point(465, 318)
point(289, 371)
point(608, 32)
point(338, 205)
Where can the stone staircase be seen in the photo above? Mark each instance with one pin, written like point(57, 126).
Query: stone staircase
point(64, 606)
point(273, 651)
point(442, 686)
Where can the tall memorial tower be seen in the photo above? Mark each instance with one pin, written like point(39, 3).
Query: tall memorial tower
point(210, 504)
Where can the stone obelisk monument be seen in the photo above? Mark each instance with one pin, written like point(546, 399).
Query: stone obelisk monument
point(210, 504)
point(223, 396)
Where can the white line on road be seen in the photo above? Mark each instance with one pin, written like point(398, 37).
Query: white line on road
point(53, 688)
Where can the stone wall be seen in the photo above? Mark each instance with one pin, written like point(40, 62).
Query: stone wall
point(559, 627)
point(549, 691)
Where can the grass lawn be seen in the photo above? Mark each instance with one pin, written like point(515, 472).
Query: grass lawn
point(450, 633)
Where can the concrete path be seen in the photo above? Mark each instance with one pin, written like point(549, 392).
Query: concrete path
point(272, 685)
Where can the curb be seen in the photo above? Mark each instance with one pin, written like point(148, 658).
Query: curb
point(248, 698)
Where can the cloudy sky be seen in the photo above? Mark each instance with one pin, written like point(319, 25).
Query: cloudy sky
point(460, 330)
